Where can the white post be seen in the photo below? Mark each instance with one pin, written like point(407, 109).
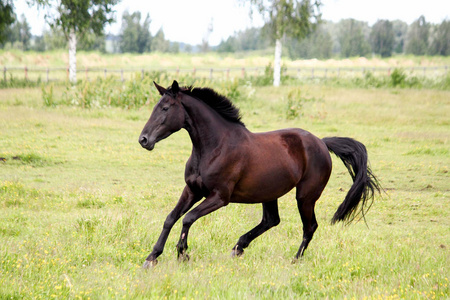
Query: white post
point(277, 63)
point(72, 56)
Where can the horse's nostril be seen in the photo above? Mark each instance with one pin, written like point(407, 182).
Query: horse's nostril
point(143, 140)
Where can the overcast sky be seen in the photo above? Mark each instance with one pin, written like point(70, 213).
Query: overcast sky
point(187, 21)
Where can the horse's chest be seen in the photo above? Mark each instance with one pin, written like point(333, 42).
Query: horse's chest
point(196, 184)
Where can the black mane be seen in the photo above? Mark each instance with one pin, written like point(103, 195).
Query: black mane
point(219, 103)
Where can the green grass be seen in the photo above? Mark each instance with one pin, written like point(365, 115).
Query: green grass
point(82, 204)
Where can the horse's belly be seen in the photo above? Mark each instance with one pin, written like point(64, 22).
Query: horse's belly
point(263, 186)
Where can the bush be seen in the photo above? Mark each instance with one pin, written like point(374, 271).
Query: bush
point(134, 93)
point(398, 78)
point(295, 104)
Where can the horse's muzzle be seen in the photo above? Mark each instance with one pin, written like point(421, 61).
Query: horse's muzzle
point(145, 143)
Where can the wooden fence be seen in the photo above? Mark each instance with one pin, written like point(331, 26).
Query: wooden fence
point(62, 74)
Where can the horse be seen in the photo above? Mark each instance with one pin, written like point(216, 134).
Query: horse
point(230, 164)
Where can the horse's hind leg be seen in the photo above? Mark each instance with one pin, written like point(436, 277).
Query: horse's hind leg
point(270, 219)
point(306, 204)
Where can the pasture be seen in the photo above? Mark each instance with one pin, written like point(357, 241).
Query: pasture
point(82, 204)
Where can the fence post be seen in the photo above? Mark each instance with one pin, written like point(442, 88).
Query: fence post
point(4, 74)
point(243, 72)
point(26, 73)
point(312, 73)
point(326, 70)
point(142, 74)
point(67, 72)
point(105, 73)
point(339, 72)
point(121, 74)
point(178, 71)
point(228, 73)
point(86, 71)
point(193, 72)
point(48, 71)
point(210, 74)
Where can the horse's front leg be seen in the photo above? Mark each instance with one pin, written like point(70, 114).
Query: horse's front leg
point(213, 202)
point(186, 201)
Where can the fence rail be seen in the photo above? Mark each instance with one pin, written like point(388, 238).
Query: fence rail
point(62, 73)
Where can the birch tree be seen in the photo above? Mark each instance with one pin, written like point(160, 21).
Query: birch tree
point(76, 18)
point(287, 18)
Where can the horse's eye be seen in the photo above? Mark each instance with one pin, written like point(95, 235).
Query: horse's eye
point(166, 108)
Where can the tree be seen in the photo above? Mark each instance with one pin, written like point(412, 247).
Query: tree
point(24, 32)
point(352, 39)
point(417, 37)
point(400, 29)
point(18, 34)
point(54, 38)
point(76, 18)
point(249, 39)
point(440, 44)
point(205, 40)
point(287, 18)
point(92, 42)
point(7, 17)
point(159, 42)
point(135, 37)
point(316, 45)
point(382, 38)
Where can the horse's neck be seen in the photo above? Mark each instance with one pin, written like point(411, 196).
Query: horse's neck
point(205, 126)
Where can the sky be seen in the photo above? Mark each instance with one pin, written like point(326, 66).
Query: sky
point(188, 21)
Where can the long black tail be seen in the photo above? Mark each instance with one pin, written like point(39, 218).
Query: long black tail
point(360, 196)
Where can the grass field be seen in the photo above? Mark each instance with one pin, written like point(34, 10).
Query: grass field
point(82, 204)
point(91, 65)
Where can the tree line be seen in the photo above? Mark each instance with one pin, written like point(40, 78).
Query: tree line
point(346, 38)
point(350, 38)
point(134, 37)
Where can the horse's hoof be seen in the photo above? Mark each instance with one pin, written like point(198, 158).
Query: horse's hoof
point(236, 252)
point(149, 264)
point(183, 257)
point(295, 260)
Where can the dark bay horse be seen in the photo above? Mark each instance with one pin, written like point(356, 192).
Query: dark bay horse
point(231, 164)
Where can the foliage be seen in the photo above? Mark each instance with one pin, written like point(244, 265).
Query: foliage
point(382, 38)
point(352, 38)
point(318, 44)
point(14, 82)
point(135, 37)
point(47, 96)
point(265, 79)
point(417, 37)
point(288, 18)
point(18, 34)
point(398, 77)
point(131, 94)
point(246, 40)
point(7, 17)
point(159, 42)
point(54, 39)
point(400, 29)
point(440, 44)
point(79, 16)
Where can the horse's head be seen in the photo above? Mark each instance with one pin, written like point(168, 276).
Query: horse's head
point(168, 116)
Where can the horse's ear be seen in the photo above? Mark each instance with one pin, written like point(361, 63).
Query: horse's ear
point(175, 87)
point(160, 89)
